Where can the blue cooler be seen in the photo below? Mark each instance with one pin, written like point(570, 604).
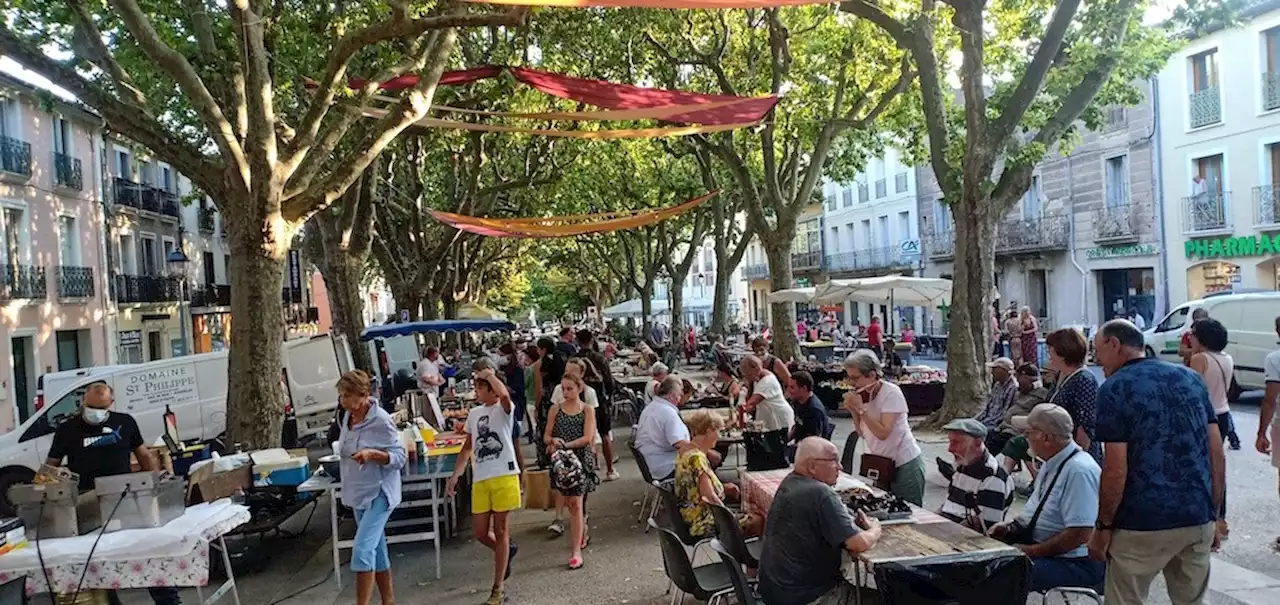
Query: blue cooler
point(278, 468)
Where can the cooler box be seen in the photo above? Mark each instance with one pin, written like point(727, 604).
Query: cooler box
point(192, 454)
point(279, 468)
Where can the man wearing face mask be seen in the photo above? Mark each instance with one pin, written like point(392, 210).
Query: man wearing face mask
point(97, 443)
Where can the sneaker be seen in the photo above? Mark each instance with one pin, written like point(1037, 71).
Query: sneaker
point(614, 476)
point(1235, 446)
point(556, 527)
point(511, 555)
point(496, 597)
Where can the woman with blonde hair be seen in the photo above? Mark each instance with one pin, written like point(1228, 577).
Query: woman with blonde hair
point(571, 429)
point(697, 486)
point(1030, 336)
point(371, 458)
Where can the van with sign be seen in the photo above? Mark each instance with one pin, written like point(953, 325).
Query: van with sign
point(1249, 318)
point(193, 387)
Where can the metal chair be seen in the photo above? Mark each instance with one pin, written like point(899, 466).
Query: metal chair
point(649, 502)
point(1066, 591)
point(711, 582)
point(729, 535)
point(676, 522)
point(742, 590)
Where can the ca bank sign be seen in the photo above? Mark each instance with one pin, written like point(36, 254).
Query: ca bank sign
point(909, 250)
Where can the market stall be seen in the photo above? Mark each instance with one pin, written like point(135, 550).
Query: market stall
point(922, 386)
point(921, 557)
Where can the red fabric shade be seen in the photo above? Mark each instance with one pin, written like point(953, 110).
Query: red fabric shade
point(609, 95)
point(675, 4)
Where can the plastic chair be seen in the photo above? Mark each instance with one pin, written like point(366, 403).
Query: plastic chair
point(711, 582)
point(742, 590)
point(649, 502)
point(729, 534)
point(1066, 591)
point(677, 524)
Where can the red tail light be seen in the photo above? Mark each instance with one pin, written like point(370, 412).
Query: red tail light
point(39, 402)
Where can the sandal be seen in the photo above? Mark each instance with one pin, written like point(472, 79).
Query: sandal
point(586, 539)
point(576, 563)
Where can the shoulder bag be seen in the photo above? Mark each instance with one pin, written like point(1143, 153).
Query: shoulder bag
point(1020, 534)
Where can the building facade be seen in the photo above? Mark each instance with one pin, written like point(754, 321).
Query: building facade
point(806, 265)
point(871, 228)
point(1084, 244)
point(51, 282)
point(1220, 156)
point(208, 273)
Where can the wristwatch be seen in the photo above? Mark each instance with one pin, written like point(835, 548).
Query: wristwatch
point(1100, 526)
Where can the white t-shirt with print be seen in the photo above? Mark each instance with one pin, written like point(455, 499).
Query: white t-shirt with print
point(774, 410)
point(901, 445)
point(1271, 373)
point(492, 452)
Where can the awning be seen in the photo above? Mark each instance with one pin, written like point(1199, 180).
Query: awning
point(437, 326)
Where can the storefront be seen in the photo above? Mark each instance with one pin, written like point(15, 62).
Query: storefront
point(1231, 263)
point(211, 332)
point(149, 333)
point(1125, 280)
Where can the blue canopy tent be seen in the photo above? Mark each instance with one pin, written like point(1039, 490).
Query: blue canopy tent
point(438, 326)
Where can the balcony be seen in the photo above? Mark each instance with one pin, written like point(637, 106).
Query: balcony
point(146, 288)
point(942, 244)
point(1206, 213)
point(865, 260)
point(1115, 224)
point(22, 282)
point(1266, 206)
point(806, 261)
point(66, 172)
point(1271, 90)
point(205, 219)
point(211, 295)
point(1024, 235)
point(15, 156)
point(75, 282)
point(882, 188)
point(1206, 107)
point(144, 197)
point(759, 271)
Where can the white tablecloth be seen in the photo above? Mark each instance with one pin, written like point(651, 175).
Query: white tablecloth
point(176, 554)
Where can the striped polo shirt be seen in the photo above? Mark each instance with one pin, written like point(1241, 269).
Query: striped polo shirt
point(983, 489)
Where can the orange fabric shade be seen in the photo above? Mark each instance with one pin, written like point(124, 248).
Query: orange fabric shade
point(565, 226)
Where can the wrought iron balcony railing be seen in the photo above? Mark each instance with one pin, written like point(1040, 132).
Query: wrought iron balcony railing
point(205, 218)
point(1115, 224)
point(755, 271)
point(67, 172)
point(23, 282)
point(144, 197)
point(75, 282)
point(1266, 205)
point(1047, 232)
point(15, 156)
point(941, 243)
point(1270, 90)
point(1206, 212)
point(866, 259)
point(147, 288)
point(1205, 106)
point(805, 261)
point(211, 295)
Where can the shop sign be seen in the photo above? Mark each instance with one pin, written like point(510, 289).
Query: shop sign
point(130, 338)
point(1233, 247)
point(909, 251)
point(1120, 251)
point(146, 389)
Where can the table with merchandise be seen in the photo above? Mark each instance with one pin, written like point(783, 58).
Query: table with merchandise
point(175, 554)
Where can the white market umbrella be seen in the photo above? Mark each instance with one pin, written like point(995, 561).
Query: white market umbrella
point(892, 290)
point(793, 295)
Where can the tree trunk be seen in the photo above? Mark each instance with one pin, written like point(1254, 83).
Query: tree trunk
point(969, 333)
point(720, 306)
point(785, 343)
point(254, 404)
point(646, 310)
point(342, 280)
point(677, 313)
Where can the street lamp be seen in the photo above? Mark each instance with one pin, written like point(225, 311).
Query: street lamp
point(178, 260)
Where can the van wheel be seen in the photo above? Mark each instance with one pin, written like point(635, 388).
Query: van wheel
point(8, 478)
point(1233, 393)
point(1151, 353)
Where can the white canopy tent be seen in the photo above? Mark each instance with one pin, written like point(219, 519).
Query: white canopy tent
point(659, 307)
point(793, 295)
point(891, 290)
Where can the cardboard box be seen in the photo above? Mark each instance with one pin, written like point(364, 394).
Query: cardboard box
point(161, 455)
point(207, 486)
point(537, 485)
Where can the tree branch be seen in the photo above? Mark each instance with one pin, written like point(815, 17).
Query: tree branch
point(97, 53)
point(1037, 70)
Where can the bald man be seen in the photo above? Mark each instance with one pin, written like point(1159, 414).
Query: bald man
point(808, 529)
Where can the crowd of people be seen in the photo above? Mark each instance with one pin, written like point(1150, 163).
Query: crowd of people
point(1126, 477)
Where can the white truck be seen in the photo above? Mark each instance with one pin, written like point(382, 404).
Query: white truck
point(193, 387)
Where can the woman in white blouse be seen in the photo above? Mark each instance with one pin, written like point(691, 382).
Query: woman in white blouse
point(880, 416)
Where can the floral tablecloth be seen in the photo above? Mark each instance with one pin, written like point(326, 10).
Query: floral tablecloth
point(174, 555)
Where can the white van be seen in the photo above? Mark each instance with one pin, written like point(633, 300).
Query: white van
point(1251, 333)
point(193, 387)
point(390, 355)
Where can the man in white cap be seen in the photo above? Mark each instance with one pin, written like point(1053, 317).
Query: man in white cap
point(980, 492)
point(1004, 391)
point(1057, 522)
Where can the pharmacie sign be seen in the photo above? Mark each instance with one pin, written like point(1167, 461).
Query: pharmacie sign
point(1233, 247)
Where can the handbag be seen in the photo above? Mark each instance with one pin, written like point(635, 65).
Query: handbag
point(879, 469)
point(1020, 534)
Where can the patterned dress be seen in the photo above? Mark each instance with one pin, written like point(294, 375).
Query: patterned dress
point(571, 427)
point(690, 466)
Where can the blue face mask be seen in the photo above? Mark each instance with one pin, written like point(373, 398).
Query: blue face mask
point(95, 415)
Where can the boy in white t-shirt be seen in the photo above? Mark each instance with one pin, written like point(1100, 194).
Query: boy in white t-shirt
point(495, 486)
point(1268, 420)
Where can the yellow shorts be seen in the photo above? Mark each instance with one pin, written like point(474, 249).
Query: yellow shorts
point(496, 495)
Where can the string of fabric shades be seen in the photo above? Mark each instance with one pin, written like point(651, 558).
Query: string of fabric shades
point(675, 4)
point(566, 226)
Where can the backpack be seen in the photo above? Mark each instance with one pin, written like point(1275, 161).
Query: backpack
point(567, 473)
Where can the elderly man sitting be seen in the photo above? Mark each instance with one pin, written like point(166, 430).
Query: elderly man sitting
point(661, 433)
point(807, 531)
point(659, 372)
point(1057, 522)
point(980, 491)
